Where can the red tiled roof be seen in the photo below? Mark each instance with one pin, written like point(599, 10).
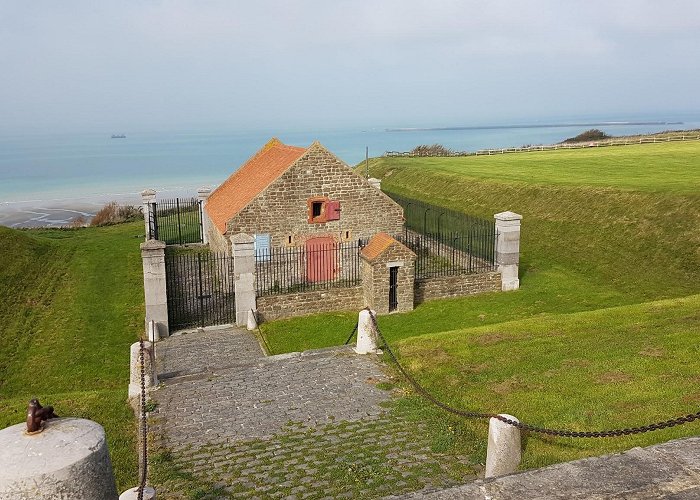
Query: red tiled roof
point(375, 247)
point(248, 181)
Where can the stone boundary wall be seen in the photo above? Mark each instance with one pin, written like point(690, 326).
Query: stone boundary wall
point(456, 286)
point(271, 307)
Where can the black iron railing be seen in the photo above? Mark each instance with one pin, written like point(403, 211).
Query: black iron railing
point(446, 242)
point(177, 221)
point(300, 269)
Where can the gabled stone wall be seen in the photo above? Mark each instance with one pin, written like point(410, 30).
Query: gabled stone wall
point(282, 209)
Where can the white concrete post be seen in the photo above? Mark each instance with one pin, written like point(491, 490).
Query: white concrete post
point(203, 195)
point(133, 494)
point(243, 247)
point(504, 448)
point(376, 183)
point(366, 334)
point(153, 332)
point(252, 322)
point(149, 365)
point(508, 248)
point(148, 196)
point(153, 256)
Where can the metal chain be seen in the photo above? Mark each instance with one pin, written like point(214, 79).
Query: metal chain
point(144, 435)
point(351, 334)
point(522, 425)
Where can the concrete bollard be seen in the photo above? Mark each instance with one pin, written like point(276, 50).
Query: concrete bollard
point(135, 371)
point(252, 322)
point(366, 334)
point(68, 459)
point(153, 333)
point(133, 494)
point(504, 448)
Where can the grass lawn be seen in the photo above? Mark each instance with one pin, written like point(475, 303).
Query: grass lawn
point(604, 330)
point(72, 305)
point(667, 167)
point(606, 369)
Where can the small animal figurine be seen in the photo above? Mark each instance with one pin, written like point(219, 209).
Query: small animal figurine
point(36, 414)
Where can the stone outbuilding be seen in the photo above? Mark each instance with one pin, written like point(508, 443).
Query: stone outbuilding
point(388, 274)
point(289, 196)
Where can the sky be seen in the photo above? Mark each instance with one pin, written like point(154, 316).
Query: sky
point(157, 65)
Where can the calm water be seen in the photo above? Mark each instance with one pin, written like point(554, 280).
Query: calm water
point(40, 173)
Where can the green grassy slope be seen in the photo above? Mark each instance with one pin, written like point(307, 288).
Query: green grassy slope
point(607, 369)
point(72, 305)
point(667, 168)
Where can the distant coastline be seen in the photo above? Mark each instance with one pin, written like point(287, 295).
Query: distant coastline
point(50, 179)
point(544, 125)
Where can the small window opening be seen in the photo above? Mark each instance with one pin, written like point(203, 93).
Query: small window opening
point(347, 235)
point(289, 239)
point(316, 208)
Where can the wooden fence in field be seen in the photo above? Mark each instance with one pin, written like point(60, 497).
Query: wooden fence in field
point(552, 147)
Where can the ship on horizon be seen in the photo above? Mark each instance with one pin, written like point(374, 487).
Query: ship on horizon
point(118, 136)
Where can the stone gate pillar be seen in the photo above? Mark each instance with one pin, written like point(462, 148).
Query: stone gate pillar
point(203, 195)
point(148, 196)
point(508, 248)
point(243, 249)
point(154, 287)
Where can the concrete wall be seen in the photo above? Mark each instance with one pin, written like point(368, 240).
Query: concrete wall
point(668, 470)
point(456, 286)
point(281, 210)
point(272, 307)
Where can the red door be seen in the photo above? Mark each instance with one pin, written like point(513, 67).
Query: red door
point(321, 259)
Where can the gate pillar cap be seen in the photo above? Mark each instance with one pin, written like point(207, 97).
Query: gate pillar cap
point(148, 195)
point(152, 245)
point(507, 216)
point(242, 238)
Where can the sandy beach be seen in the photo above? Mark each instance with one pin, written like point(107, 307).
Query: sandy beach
point(59, 213)
point(48, 213)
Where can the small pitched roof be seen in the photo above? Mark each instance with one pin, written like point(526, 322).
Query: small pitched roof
point(253, 177)
point(377, 245)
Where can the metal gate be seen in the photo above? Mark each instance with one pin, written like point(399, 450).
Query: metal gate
point(393, 286)
point(177, 221)
point(200, 289)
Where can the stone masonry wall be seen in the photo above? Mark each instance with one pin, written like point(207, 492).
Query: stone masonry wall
point(271, 307)
point(375, 276)
point(456, 286)
point(217, 241)
point(281, 210)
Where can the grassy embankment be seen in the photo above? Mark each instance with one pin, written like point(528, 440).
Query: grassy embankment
point(604, 330)
point(72, 303)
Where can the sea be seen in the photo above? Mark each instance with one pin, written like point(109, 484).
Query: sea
point(50, 179)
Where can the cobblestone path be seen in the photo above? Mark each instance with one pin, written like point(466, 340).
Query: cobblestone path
point(232, 423)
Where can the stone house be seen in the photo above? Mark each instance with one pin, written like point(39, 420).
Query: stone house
point(302, 233)
point(289, 196)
